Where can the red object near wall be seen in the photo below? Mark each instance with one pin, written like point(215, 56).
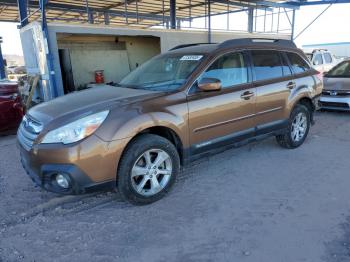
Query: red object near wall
point(99, 77)
point(11, 106)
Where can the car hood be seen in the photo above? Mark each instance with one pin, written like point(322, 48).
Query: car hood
point(336, 84)
point(8, 88)
point(79, 104)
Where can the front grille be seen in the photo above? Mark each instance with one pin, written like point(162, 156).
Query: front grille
point(334, 104)
point(336, 93)
point(28, 132)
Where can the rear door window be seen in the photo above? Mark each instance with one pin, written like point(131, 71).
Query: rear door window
point(298, 64)
point(318, 60)
point(327, 58)
point(267, 64)
point(230, 69)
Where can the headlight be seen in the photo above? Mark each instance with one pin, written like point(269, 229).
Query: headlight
point(76, 130)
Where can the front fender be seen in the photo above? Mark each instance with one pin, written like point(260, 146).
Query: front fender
point(136, 125)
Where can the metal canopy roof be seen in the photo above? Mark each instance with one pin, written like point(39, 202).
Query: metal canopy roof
point(141, 13)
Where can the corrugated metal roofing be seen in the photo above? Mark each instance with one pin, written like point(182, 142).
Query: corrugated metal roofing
point(139, 13)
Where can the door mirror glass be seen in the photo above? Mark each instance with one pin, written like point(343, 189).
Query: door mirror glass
point(209, 84)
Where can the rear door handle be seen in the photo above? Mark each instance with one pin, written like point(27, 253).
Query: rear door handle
point(247, 95)
point(291, 85)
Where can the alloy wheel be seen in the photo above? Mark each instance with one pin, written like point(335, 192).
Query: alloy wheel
point(151, 172)
point(299, 127)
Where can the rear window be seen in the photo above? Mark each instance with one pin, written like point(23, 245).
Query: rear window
point(327, 58)
point(298, 64)
point(318, 60)
point(267, 64)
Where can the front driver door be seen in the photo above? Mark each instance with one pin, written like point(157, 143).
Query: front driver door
point(221, 117)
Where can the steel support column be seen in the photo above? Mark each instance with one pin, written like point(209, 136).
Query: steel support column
point(293, 25)
point(106, 18)
point(250, 19)
point(49, 56)
point(2, 64)
point(23, 11)
point(173, 14)
point(90, 15)
point(209, 21)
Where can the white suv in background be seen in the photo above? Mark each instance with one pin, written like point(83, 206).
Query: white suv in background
point(322, 60)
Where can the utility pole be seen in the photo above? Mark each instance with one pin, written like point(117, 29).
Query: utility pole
point(2, 64)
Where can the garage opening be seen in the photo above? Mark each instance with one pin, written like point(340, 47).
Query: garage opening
point(82, 55)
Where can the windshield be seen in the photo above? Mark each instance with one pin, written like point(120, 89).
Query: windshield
point(163, 73)
point(341, 70)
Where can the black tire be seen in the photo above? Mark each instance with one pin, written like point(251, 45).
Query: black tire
point(286, 140)
point(132, 153)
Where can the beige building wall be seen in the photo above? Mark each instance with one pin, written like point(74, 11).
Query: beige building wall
point(116, 55)
point(140, 45)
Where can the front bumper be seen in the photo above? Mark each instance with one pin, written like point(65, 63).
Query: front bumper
point(79, 182)
point(89, 165)
point(335, 103)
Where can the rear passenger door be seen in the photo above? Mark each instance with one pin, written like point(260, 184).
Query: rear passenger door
point(303, 75)
point(273, 81)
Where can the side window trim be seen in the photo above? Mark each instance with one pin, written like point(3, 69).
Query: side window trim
point(290, 64)
point(285, 57)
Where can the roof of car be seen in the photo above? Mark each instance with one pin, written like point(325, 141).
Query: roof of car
point(241, 42)
point(198, 48)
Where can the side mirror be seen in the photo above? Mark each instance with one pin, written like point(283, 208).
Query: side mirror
point(209, 84)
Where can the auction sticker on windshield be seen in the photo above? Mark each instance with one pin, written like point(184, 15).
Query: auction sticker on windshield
point(191, 57)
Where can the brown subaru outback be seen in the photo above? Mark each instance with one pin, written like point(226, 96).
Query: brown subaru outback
point(179, 106)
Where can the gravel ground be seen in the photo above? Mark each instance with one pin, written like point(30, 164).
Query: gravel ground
point(257, 203)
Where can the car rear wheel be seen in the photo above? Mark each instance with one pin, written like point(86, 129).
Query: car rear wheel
point(298, 128)
point(148, 169)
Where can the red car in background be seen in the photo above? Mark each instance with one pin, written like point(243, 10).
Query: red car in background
point(11, 107)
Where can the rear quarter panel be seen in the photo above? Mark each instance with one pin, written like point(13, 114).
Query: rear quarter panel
point(307, 86)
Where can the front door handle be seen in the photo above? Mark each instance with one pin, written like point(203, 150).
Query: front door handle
point(291, 85)
point(247, 95)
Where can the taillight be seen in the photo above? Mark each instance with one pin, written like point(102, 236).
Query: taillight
point(14, 96)
point(319, 75)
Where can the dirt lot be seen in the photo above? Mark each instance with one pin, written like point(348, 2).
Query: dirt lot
point(257, 203)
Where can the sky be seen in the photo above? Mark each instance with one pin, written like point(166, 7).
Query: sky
point(332, 26)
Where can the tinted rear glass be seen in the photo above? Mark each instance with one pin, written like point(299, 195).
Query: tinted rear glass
point(267, 64)
point(327, 58)
point(297, 63)
point(318, 60)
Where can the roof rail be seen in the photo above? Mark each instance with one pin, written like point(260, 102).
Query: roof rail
point(254, 41)
point(319, 49)
point(188, 45)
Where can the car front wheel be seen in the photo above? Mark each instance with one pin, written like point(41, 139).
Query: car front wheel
point(148, 169)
